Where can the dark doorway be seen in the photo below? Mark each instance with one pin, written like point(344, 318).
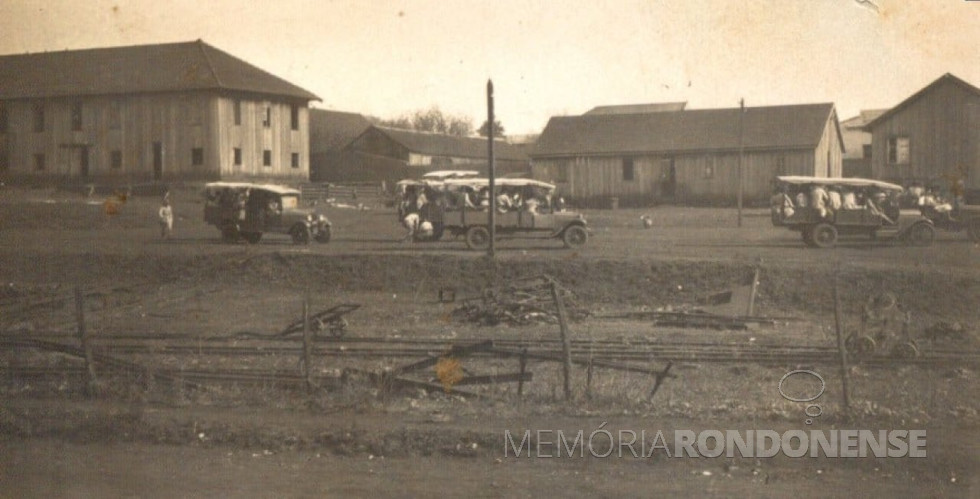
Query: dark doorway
point(668, 184)
point(157, 161)
point(83, 161)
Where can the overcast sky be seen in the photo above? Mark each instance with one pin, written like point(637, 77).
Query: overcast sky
point(390, 57)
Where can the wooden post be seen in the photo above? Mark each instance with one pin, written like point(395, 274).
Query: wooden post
point(741, 154)
point(520, 382)
point(755, 287)
point(842, 350)
point(660, 378)
point(588, 379)
point(491, 175)
point(566, 343)
point(93, 381)
point(307, 346)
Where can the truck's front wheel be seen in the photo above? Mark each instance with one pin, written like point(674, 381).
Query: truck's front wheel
point(575, 236)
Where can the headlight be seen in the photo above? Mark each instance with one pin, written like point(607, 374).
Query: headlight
point(309, 217)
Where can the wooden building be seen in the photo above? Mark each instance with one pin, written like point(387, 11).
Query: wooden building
point(330, 134)
point(177, 111)
point(857, 143)
point(931, 138)
point(391, 154)
point(688, 156)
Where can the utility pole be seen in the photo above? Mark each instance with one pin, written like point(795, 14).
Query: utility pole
point(490, 171)
point(741, 154)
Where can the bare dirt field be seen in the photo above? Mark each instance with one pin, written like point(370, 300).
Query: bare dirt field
point(174, 302)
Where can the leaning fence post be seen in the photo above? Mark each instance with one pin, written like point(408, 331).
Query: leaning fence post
point(93, 381)
point(520, 381)
point(841, 348)
point(307, 346)
point(566, 345)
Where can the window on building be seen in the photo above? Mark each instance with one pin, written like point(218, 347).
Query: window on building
point(267, 119)
point(898, 150)
point(39, 162)
point(4, 161)
point(866, 151)
point(628, 171)
point(237, 153)
point(237, 109)
point(38, 111)
point(115, 114)
point(76, 116)
point(266, 158)
point(4, 119)
point(294, 160)
point(115, 159)
point(294, 117)
point(197, 156)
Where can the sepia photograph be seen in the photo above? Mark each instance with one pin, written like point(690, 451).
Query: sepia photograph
point(471, 248)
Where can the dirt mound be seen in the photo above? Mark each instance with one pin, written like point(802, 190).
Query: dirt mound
point(928, 293)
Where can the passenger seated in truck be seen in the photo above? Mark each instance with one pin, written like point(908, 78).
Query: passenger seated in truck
point(819, 199)
point(504, 202)
point(834, 200)
point(801, 199)
point(849, 200)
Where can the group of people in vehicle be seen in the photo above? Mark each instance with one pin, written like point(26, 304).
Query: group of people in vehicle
point(421, 201)
point(241, 203)
point(828, 200)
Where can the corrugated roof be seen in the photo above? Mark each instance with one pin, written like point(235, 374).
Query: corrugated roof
point(946, 78)
point(773, 127)
point(136, 69)
point(436, 144)
point(334, 130)
point(656, 107)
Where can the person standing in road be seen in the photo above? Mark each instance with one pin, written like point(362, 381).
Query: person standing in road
point(166, 218)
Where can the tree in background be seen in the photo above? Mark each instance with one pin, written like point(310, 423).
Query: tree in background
point(429, 120)
point(498, 129)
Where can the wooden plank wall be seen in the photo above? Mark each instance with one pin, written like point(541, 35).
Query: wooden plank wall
point(591, 177)
point(828, 159)
point(943, 127)
point(132, 123)
point(254, 138)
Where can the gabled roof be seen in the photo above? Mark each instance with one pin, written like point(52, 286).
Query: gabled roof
point(656, 107)
point(334, 130)
point(863, 118)
point(944, 79)
point(436, 144)
point(703, 130)
point(136, 69)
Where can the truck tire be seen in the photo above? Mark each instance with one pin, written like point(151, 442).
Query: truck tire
point(824, 235)
point(575, 236)
point(323, 235)
point(230, 233)
point(300, 234)
point(920, 234)
point(477, 237)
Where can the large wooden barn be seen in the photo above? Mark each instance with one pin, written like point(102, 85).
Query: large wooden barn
point(151, 112)
point(931, 138)
point(686, 156)
point(390, 154)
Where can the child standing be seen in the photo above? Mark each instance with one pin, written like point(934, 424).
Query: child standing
point(166, 216)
